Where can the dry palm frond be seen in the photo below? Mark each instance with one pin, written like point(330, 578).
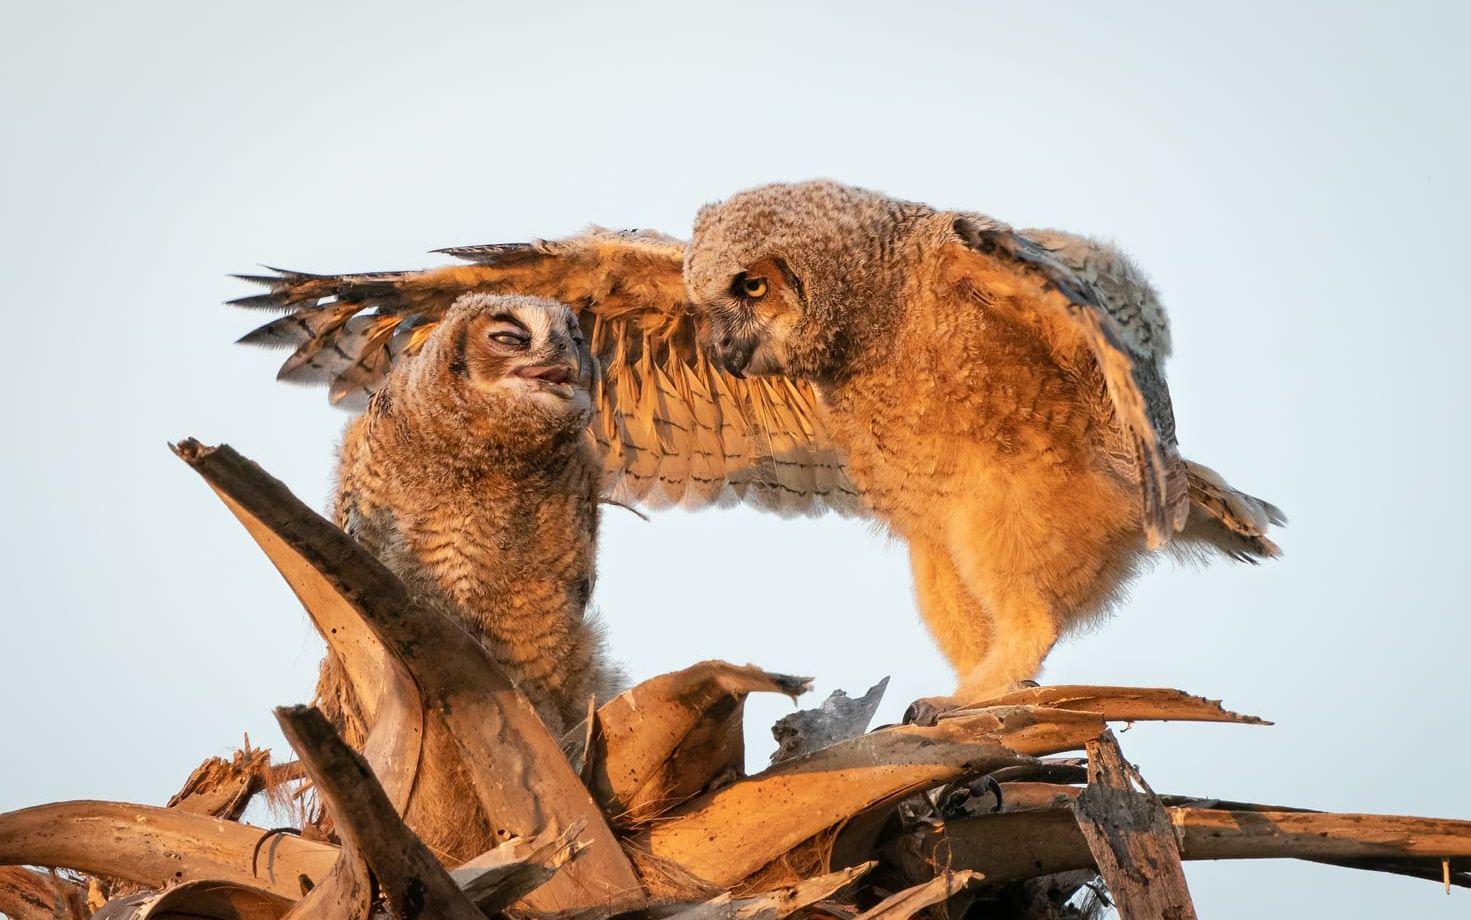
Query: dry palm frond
point(855, 826)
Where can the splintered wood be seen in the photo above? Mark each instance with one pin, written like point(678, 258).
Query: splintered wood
point(974, 815)
point(1130, 838)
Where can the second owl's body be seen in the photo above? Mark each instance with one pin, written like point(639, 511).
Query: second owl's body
point(987, 447)
point(483, 498)
point(998, 397)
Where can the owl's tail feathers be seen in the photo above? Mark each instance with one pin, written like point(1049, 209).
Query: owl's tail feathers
point(1227, 520)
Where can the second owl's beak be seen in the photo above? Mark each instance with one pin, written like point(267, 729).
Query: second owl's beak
point(547, 373)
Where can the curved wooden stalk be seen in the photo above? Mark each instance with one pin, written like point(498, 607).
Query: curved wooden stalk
point(203, 900)
point(1014, 846)
point(1119, 704)
point(157, 846)
point(724, 836)
point(521, 778)
point(323, 575)
point(666, 739)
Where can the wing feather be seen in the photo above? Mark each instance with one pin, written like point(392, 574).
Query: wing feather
point(1127, 353)
point(673, 428)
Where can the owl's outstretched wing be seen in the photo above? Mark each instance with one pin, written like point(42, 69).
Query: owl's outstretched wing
point(1106, 302)
point(675, 429)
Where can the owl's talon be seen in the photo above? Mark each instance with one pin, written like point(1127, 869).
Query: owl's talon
point(927, 711)
point(956, 800)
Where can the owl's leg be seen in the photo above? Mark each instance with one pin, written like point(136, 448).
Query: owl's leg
point(960, 626)
point(1021, 637)
point(1024, 584)
point(1025, 631)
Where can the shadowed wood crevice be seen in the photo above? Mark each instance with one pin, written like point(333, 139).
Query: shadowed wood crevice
point(404, 870)
point(206, 900)
point(726, 835)
point(668, 738)
point(27, 894)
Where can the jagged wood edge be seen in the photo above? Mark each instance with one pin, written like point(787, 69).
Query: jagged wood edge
point(777, 903)
point(1120, 704)
point(901, 905)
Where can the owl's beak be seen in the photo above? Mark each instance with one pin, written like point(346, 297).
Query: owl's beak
point(734, 353)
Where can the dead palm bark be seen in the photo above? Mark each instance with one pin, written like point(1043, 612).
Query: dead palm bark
point(876, 825)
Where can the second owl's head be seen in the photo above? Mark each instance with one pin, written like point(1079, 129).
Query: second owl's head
point(796, 278)
point(510, 357)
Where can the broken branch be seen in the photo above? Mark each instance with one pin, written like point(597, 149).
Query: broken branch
point(406, 872)
point(517, 770)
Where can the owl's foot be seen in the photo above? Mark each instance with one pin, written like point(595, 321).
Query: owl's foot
point(927, 710)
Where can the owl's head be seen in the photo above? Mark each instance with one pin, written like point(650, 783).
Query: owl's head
point(509, 357)
point(791, 277)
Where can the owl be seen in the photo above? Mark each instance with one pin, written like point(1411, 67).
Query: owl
point(994, 397)
point(472, 477)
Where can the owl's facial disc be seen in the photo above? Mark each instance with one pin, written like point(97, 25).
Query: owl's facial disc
point(751, 320)
point(536, 356)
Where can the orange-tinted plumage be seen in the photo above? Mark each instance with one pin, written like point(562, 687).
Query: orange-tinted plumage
point(995, 396)
point(470, 475)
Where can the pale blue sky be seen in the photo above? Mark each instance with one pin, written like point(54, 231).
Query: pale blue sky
point(1292, 175)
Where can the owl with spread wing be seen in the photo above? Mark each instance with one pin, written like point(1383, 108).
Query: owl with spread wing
point(995, 397)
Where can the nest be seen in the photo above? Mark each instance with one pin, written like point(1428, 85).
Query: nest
point(645, 810)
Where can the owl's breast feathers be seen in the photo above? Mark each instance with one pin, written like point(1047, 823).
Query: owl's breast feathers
point(507, 547)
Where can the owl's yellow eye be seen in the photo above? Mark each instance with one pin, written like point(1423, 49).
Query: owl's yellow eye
point(753, 287)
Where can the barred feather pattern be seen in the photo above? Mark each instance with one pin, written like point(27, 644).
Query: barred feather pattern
point(674, 429)
point(487, 508)
point(1113, 310)
point(1228, 519)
